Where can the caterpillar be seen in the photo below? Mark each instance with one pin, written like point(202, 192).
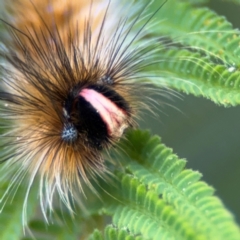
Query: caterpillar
point(68, 88)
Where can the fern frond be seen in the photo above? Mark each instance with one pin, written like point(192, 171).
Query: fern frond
point(200, 53)
point(158, 198)
point(193, 74)
point(199, 28)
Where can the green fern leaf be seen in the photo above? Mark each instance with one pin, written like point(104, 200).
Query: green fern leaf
point(196, 75)
point(206, 32)
point(156, 197)
point(201, 56)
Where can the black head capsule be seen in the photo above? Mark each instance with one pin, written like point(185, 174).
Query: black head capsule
point(95, 114)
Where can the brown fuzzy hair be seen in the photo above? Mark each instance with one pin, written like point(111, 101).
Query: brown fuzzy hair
point(53, 47)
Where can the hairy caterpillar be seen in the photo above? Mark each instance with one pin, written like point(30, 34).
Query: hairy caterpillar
point(68, 88)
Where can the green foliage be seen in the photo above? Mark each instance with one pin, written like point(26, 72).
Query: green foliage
point(159, 198)
point(201, 55)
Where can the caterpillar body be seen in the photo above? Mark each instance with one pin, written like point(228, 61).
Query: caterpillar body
point(68, 88)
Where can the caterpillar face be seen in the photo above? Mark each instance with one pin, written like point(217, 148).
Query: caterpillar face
point(95, 115)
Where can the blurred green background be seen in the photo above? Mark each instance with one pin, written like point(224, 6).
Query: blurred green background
point(207, 135)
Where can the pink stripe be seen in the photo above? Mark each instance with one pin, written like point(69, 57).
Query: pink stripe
point(114, 117)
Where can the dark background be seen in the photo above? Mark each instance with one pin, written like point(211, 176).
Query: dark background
point(207, 135)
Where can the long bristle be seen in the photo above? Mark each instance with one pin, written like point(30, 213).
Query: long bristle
point(56, 47)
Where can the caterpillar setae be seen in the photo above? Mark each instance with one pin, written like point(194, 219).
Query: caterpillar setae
point(71, 84)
